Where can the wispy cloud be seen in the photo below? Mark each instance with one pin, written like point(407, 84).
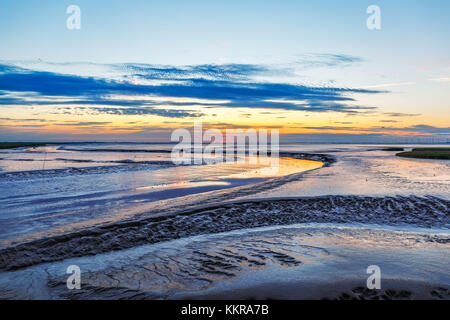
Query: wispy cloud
point(399, 114)
point(202, 71)
point(422, 128)
point(442, 79)
point(318, 60)
point(389, 121)
point(229, 86)
point(389, 85)
point(330, 128)
point(419, 129)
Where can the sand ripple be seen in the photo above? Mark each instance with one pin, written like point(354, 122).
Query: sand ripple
point(425, 212)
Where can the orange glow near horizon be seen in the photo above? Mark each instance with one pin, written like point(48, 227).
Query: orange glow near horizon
point(52, 121)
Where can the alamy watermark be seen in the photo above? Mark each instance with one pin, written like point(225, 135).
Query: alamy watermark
point(74, 280)
point(374, 280)
point(73, 22)
point(212, 146)
point(374, 20)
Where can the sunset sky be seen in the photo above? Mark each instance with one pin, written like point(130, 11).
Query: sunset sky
point(136, 70)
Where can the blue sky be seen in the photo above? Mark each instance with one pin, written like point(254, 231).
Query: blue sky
point(191, 32)
point(282, 50)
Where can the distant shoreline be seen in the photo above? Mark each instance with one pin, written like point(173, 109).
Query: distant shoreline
point(11, 145)
point(19, 144)
point(427, 153)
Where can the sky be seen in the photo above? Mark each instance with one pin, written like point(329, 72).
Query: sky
point(137, 70)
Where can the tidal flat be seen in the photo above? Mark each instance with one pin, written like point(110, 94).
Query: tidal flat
point(140, 227)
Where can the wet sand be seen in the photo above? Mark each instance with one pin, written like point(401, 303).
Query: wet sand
point(305, 261)
point(430, 212)
point(307, 235)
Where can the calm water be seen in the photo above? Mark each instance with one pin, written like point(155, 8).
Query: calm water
point(48, 188)
point(51, 190)
point(367, 170)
